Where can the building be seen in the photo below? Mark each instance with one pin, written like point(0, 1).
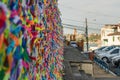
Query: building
point(110, 35)
point(74, 36)
point(114, 38)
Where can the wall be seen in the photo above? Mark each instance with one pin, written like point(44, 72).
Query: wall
point(31, 40)
point(88, 68)
point(116, 40)
point(104, 33)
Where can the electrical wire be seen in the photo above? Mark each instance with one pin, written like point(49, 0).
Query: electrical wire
point(83, 21)
point(73, 28)
point(79, 27)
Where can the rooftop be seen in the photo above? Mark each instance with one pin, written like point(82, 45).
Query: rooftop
point(111, 26)
point(116, 33)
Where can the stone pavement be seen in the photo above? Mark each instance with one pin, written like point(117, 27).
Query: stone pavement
point(72, 72)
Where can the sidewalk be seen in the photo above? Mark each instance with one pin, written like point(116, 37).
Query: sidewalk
point(72, 71)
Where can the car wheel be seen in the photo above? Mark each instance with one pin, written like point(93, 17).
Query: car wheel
point(105, 59)
point(116, 64)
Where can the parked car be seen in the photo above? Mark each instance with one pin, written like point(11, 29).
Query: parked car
point(73, 44)
point(116, 61)
point(99, 49)
point(106, 56)
point(106, 49)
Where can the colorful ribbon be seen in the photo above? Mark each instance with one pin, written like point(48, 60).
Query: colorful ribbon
point(31, 40)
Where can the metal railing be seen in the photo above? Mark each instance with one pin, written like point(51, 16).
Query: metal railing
point(107, 67)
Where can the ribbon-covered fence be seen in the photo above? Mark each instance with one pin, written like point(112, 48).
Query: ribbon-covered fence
point(31, 40)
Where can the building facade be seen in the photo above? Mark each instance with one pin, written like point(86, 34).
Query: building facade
point(110, 34)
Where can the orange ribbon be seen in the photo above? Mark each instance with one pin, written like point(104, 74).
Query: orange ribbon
point(15, 39)
point(1, 40)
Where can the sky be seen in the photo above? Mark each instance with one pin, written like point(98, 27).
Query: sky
point(97, 12)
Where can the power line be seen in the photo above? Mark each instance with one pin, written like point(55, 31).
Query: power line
point(84, 22)
point(73, 28)
point(71, 25)
point(78, 27)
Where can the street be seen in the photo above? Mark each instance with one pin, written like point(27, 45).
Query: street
point(73, 58)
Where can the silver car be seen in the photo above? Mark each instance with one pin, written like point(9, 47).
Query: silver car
point(106, 56)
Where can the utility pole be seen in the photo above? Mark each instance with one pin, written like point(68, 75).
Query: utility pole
point(86, 32)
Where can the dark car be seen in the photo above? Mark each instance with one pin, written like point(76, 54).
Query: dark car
point(117, 63)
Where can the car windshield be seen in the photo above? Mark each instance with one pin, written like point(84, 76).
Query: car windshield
point(73, 43)
point(101, 48)
point(109, 48)
point(115, 51)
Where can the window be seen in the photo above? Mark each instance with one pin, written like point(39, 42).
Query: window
point(105, 40)
point(115, 51)
point(119, 38)
point(113, 38)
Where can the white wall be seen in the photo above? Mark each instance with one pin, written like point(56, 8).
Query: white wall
point(104, 33)
point(116, 40)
